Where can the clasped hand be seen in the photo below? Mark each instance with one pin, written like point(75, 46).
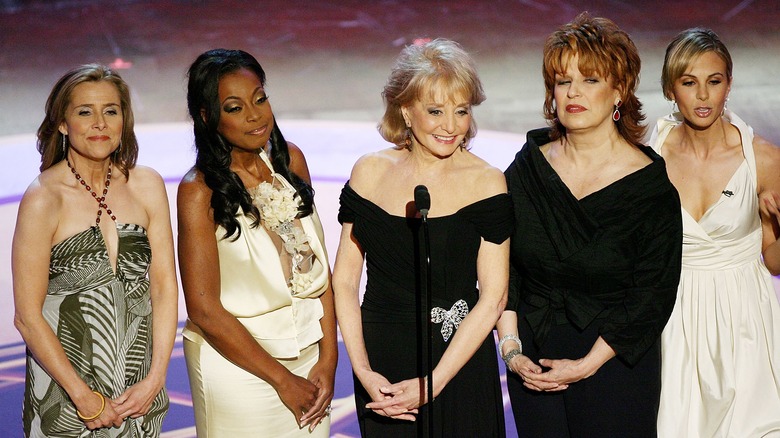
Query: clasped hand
point(399, 400)
point(559, 375)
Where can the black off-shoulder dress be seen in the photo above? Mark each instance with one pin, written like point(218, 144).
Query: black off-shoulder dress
point(470, 405)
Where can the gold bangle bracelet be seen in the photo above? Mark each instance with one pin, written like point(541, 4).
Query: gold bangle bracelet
point(102, 408)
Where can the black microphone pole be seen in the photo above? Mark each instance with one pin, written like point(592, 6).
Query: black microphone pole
point(422, 201)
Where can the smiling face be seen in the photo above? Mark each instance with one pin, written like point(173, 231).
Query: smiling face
point(702, 90)
point(439, 123)
point(246, 119)
point(93, 120)
point(583, 101)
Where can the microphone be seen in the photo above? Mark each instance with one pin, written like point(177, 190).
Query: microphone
point(422, 200)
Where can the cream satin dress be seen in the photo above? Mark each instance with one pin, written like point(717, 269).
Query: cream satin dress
point(720, 372)
point(228, 401)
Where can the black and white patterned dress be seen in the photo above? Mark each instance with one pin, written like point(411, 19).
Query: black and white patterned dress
point(104, 321)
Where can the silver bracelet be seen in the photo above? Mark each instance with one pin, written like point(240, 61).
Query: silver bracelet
point(512, 353)
point(509, 338)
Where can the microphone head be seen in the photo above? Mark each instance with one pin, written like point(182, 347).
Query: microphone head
point(422, 199)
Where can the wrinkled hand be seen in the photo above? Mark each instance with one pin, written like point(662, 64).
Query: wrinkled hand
point(137, 399)
point(769, 205)
point(299, 395)
point(376, 386)
point(532, 375)
point(322, 376)
point(108, 418)
point(560, 374)
point(401, 399)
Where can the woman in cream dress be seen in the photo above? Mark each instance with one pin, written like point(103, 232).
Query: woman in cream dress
point(260, 341)
point(721, 346)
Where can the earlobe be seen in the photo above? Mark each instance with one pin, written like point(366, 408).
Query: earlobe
point(203, 115)
point(63, 128)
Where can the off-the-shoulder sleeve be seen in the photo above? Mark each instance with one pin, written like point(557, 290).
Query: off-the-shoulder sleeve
point(492, 217)
point(633, 327)
point(348, 201)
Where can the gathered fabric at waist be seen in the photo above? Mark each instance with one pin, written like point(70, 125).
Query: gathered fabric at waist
point(404, 307)
point(555, 306)
point(283, 333)
point(716, 255)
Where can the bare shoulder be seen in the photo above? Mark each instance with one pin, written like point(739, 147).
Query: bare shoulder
point(486, 179)
point(193, 188)
point(768, 163)
point(41, 196)
point(41, 206)
point(766, 152)
point(369, 168)
point(298, 163)
point(145, 178)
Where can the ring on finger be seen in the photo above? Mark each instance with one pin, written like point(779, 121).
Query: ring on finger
point(328, 410)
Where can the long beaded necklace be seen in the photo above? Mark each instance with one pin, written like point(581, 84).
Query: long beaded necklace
point(101, 205)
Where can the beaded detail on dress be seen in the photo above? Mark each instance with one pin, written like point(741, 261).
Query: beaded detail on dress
point(278, 208)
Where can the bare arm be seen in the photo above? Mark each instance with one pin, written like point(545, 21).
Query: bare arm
point(36, 224)
point(768, 163)
point(199, 265)
point(346, 285)
point(323, 374)
point(163, 289)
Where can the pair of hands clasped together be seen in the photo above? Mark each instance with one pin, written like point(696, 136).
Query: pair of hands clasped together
point(101, 411)
point(395, 400)
point(559, 373)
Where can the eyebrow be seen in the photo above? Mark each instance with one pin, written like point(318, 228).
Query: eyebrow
point(238, 98)
point(709, 76)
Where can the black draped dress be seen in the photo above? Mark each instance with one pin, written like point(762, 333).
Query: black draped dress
point(605, 265)
point(470, 405)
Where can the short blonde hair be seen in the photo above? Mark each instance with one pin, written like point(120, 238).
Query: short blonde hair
point(602, 48)
point(440, 65)
point(684, 48)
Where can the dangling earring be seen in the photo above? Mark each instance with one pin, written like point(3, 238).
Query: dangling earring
point(64, 144)
point(116, 152)
point(408, 139)
point(725, 107)
point(616, 113)
point(674, 107)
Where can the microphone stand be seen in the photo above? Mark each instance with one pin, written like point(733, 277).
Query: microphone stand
point(422, 201)
point(429, 326)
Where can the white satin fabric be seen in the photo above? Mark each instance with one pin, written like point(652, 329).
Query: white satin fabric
point(228, 401)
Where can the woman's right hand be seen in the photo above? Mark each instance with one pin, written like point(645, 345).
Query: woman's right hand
point(298, 394)
point(373, 382)
point(107, 418)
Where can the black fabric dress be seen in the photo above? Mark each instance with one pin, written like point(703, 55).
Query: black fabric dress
point(605, 265)
point(470, 405)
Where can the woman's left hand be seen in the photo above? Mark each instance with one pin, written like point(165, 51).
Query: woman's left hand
point(562, 372)
point(322, 376)
point(769, 205)
point(137, 399)
point(403, 397)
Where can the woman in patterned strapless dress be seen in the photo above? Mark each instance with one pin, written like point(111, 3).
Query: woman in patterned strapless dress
point(721, 348)
point(98, 313)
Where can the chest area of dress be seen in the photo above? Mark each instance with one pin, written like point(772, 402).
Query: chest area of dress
point(404, 237)
point(734, 215)
point(560, 254)
point(86, 252)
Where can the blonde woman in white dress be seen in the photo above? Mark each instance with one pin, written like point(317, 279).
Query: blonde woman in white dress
point(721, 347)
